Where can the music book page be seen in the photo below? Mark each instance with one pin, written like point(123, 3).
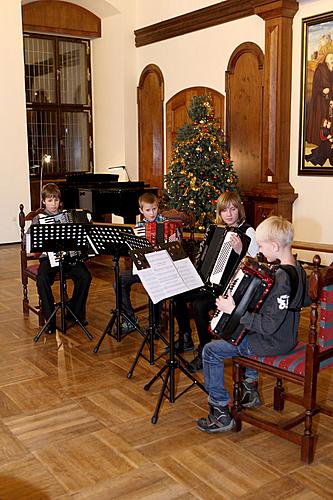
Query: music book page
point(166, 278)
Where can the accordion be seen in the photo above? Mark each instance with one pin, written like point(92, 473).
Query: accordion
point(217, 261)
point(249, 287)
point(65, 217)
point(160, 232)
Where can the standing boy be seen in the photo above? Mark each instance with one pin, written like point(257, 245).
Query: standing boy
point(271, 332)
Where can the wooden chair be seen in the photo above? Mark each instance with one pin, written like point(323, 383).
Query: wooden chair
point(29, 268)
point(300, 367)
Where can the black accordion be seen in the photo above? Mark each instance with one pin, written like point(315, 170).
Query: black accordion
point(217, 261)
point(68, 217)
point(249, 287)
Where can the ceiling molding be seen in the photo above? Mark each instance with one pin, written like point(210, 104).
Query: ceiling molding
point(219, 13)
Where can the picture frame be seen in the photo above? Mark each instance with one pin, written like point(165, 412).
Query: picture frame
point(316, 110)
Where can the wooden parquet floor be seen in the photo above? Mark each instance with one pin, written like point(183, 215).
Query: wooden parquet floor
point(73, 426)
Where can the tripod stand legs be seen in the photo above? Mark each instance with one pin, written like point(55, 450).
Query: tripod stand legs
point(116, 318)
point(170, 368)
point(148, 338)
point(63, 308)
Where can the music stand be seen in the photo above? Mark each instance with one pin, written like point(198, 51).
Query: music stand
point(110, 240)
point(185, 277)
point(59, 239)
point(170, 367)
point(136, 243)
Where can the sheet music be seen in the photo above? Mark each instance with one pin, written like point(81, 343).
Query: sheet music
point(166, 278)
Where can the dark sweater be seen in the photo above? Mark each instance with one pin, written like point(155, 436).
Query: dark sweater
point(273, 330)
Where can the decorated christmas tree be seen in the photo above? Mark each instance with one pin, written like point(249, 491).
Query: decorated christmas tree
point(200, 168)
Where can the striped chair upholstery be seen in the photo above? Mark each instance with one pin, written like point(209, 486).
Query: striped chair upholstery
point(301, 366)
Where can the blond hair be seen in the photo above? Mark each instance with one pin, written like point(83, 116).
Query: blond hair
point(276, 228)
point(224, 201)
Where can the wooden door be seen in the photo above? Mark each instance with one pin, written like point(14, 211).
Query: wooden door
point(150, 126)
point(177, 116)
point(244, 106)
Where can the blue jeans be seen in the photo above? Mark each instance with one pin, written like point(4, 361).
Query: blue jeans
point(213, 357)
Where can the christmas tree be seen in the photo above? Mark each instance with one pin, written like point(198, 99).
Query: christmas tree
point(200, 168)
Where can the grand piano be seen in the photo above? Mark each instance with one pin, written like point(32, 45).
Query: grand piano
point(102, 194)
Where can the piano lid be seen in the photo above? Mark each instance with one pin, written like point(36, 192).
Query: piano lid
point(101, 182)
point(87, 178)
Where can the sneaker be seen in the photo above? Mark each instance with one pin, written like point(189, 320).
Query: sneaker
point(250, 395)
point(218, 420)
point(196, 365)
point(127, 327)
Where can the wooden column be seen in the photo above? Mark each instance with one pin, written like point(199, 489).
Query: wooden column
point(274, 194)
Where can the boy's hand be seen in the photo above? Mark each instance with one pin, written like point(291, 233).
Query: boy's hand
point(236, 243)
point(172, 237)
point(226, 305)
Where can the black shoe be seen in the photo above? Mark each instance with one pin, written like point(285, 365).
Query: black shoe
point(218, 420)
point(250, 395)
point(184, 343)
point(196, 365)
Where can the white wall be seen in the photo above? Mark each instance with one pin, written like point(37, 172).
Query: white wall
point(152, 11)
point(114, 91)
point(14, 186)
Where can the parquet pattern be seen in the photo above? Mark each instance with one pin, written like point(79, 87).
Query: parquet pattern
point(73, 426)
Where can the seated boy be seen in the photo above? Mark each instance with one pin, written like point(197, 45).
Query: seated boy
point(271, 331)
point(148, 206)
point(76, 270)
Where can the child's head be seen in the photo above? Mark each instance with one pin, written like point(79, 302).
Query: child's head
point(229, 209)
point(51, 197)
point(148, 206)
point(274, 236)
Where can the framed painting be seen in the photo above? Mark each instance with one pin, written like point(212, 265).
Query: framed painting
point(316, 121)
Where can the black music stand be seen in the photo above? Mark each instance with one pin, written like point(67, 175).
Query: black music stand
point(137, 242)
point(109, 240)
point(176, 253)
point(170, 367)
point(59, 239)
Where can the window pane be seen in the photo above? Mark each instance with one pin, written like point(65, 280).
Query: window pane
point(42, 136)
point(76, 141)
point(73, 73)
point(39, 70)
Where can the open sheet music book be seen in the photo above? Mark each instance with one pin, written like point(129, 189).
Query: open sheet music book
point(165, 273)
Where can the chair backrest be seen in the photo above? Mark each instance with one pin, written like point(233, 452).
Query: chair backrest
point(321, 293)
point(325, 337)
